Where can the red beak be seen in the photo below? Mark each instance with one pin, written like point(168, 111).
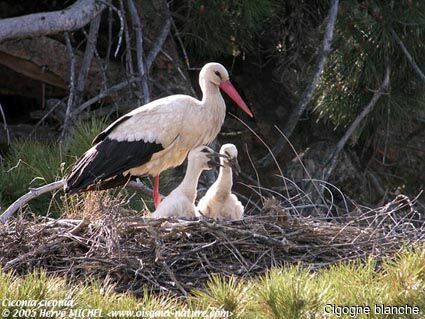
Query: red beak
point(230, 90)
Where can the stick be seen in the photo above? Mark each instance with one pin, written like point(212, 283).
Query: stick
point(409, 57)
point(163, 34)
point(6, 128)
point(33, 193)
point(105, 93)
point(36, 192)
point(72, 85)
point(137, 26)
point(128, 57)
point(72, 18)
point(308, 93)
point(331, 163)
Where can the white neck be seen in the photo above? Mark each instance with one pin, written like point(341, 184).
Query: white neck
point(225, 180)
point(189, 183)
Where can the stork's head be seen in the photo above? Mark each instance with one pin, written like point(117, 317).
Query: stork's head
point(217, 75)
point(231, 157)
point(205, 157)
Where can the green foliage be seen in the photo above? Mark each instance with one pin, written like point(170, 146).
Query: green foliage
point(290, 292)
point(230, 294)
point(363, 47)
point(83, 136)
point(221, 27)
point(30, 164)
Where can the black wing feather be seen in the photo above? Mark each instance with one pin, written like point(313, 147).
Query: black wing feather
point(103, 165)
point(102, 135)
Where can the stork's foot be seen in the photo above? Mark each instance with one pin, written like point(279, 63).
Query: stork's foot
point(157, 200)
point(156, 195)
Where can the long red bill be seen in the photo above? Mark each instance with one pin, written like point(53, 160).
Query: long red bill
point(230, 90)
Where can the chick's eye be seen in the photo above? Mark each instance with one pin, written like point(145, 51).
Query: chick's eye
point(218, 74)
point(205, 150)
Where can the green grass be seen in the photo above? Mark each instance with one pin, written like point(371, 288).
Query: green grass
point(287, 293)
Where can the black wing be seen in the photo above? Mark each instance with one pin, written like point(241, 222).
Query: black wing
point(101, 136)
point(103, 165)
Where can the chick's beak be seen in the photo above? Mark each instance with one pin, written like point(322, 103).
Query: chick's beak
point(215, 160)
point(234, 164)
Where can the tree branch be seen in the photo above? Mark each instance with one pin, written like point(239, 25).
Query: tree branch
point(5, 127)
point(163, 34)
point(409, 57)
point(104, 94)
point(36, 192)
point(33, 193)
point(77, 89)
point(332, 160)
point(137, 26)
point(38, 24)
point(308, 93)
point(72, 86)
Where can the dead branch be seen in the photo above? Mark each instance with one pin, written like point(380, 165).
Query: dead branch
point(38, 24)
point(137, 26)
point(104, 94)
point(163, 34)
point(5, 127)
point(87, 58)
point(36, 192)
point(308, 93)
point(331, 163)
point(180, 255)
point(33, 193)
point(72, 86)
point(128, 58)
point(409, 57)
point(80, 84)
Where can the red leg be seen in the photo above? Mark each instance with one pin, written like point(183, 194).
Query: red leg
point(156, 195)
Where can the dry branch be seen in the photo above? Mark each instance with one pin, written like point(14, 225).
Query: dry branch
point(331, 163)
point(38, 24)
point(137, 26)
point(5, 127)
point(33, 193)
point(159, 42)
point(177, 255)
point(36, 192)
point(308, 93)
point(409, 57)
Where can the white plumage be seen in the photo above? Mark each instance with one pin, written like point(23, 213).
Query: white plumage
point(155, 136)
point(181, 201)
point(219, 202)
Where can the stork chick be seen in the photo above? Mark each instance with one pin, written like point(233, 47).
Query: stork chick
point(156, 136)
point(219, 202)
point(181, 201)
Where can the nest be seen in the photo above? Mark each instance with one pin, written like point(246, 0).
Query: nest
point(177, 255)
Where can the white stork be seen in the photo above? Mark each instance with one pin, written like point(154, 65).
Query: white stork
point(181, 201)
point(155, 136)
point(219, 202)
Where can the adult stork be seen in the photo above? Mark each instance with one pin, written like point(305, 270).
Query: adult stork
point(155, 136)
point(219, 202)
point(181, 201)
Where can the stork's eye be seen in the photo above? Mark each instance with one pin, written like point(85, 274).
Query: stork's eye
point(205, 150)
point(218, 74)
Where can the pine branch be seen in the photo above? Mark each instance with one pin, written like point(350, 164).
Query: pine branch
point(308, 93)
